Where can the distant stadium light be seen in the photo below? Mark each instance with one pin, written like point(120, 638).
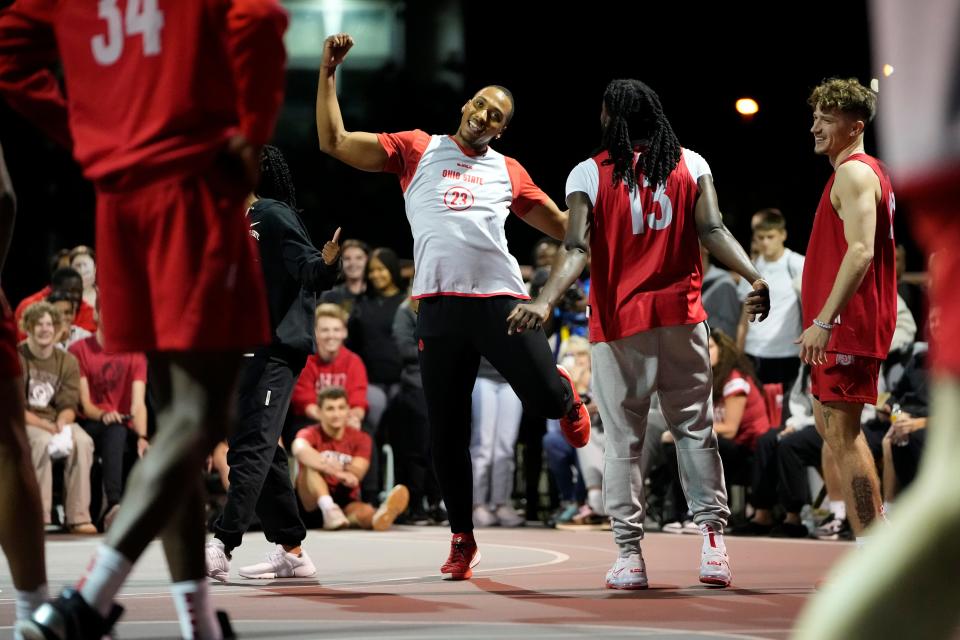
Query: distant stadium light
point(747, 106)
point(887, 70)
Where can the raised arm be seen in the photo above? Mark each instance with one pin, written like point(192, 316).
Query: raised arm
point(359, 149)
point(720, 243)
point(856, 191)
point(566, 269)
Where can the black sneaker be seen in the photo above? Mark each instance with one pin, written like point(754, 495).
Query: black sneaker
point(833, 528)
point(69, 617)
point(789, 530)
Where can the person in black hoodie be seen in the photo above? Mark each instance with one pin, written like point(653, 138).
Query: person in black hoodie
point(294, 272)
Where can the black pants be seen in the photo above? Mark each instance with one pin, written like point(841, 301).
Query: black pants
point(780, 468)
point(410, 439)
point(259, 477)
point(906, 458)
point(454, 333)
point(111, 443)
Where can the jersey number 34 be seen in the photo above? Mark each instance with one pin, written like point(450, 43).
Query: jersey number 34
point(142, 17)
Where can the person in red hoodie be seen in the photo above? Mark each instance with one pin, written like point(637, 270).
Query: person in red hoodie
point(332, 366)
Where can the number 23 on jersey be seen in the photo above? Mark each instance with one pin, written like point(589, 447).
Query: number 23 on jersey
point(142, 17)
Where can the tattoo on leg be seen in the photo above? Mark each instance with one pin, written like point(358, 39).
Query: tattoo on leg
point(863, 500)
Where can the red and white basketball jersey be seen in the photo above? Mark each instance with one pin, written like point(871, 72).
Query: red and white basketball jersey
point(645, 266)
point(457, 203)
point(865, 326)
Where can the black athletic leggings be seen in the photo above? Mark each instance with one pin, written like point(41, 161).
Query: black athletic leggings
point(454, 332)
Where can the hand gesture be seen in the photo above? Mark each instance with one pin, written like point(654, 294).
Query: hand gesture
point(813, 345)
point(335, 49)
point(331, 248)
point(530, 315)
point(758, 301)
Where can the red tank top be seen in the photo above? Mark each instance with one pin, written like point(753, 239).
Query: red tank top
point(865, 326)
point(645, 267)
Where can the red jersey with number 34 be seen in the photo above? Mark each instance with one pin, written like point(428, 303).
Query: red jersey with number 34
point(865, 326)
point(645, 266)
point(154, 86)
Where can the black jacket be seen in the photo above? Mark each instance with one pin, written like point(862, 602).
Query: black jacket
point(293, 271)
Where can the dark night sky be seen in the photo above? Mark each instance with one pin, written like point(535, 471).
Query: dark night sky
point(699, 59)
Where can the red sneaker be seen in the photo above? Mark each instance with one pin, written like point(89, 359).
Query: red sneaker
point(464, 555)
point(576, 424)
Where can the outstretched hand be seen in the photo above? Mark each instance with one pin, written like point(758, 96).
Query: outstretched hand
point(331, 248)
point(758, 301)
point(530, 315)
point(335, 49)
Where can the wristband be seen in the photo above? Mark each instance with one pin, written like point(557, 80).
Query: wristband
point(823, 325)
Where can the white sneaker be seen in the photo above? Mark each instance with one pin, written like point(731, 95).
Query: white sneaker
point(395, 504)
point(690, 528)
point(333, 518)
point(509, 517)
point(628, 573)
point(218, 563)
point(281, 564)
point(714, 562)
point(483, 517)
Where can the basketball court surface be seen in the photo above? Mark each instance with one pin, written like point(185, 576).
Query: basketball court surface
point(532, 583)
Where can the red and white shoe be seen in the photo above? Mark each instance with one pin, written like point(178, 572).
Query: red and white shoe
point(714, 562)
point(576, 424)
point(464, 556)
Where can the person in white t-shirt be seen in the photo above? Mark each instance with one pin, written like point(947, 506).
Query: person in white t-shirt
point(770, 344)
point(458, 193)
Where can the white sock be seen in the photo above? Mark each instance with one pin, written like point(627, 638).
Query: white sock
point(839, 509)
point(28, 601)
point(712, 537)
point(198, 620)
point(107, 573)
point(862, 541)
point(883, 515)
point(326, 502)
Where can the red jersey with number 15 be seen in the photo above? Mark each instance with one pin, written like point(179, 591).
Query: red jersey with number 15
point(865, 326)
point(645, 266)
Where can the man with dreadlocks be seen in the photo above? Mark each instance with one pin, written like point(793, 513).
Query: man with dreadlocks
point(294, 272)
point(458, 194)
point(639, 209)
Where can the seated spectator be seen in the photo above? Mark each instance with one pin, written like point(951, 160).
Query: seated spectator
point(63, 279)
point(82, 260)
point(67, 306)
point(333, 365)
point(354, 255)
point(113, 403)
point(333, 461)
point(52, 380)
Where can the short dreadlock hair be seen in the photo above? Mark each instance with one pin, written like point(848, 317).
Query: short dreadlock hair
point(636, 114)
point(276, 182)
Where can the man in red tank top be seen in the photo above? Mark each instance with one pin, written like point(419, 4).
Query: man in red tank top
point(639, 211)
point(849, 288)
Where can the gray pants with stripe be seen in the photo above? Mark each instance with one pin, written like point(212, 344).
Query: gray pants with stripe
point(674, 363)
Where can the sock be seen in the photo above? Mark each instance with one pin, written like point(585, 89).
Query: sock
point(107, 572)
point(198, 620)
point(28, 601)
point(862, 541)
point(839, 509)
point(325, 503)
point(712, 537)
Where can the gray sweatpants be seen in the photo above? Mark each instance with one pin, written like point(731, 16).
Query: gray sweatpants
point(674, 363)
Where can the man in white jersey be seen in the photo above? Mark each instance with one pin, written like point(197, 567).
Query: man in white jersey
point(639, 210)
point(458, 193)
point(904, 583)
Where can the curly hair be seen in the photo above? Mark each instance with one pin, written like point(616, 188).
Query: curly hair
point(846, 95)
point(35, 312)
